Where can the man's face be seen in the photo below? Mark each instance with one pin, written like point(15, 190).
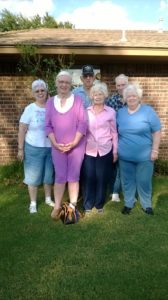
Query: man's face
point(120, 85)
point(88, 80)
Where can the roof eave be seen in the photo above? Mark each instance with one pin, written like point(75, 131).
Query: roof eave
point(110, 51)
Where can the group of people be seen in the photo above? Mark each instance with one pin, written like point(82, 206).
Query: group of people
point(89, 141)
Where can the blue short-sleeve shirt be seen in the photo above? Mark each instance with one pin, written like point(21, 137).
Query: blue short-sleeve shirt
point(135, 133)
point(84, 96)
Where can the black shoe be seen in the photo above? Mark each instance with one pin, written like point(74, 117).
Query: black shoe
point(126, 210)
point(149, 211)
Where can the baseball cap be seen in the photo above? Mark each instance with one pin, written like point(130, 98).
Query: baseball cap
point(87, 70)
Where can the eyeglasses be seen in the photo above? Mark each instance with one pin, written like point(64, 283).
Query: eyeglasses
point(87, 75)
point(63, 82)
point(40, 91)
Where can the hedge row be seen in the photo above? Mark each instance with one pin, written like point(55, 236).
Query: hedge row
point(14, 171)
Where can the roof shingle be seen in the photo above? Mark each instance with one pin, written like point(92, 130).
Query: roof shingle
point(85, 38)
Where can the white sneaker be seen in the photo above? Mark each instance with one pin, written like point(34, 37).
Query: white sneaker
point(50, 203)
point(100, 211)
point(72, 206)
point(88, 212)
point(115, 198)
point(32, 209)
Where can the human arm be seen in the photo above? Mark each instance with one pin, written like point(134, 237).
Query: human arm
point(114, 136)
point(81, 123)
point(71, 145)
point(48, 122)
point(49, 126)
point(60, 147)
point(21, 138)
point(155, 125)
point(155, 145)
point(65, 147)
point(82, 117)
point(115, 157)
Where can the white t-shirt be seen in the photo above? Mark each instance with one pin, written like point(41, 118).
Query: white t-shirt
point(34, 117)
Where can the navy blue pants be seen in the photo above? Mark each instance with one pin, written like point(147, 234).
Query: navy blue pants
point(115, 181)
point(95, 178)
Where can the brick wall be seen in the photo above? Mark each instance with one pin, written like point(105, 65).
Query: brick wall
point(15, 94)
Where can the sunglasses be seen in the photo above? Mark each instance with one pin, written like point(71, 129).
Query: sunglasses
point(87, 75)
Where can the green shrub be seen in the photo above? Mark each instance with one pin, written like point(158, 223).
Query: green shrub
point(12, 172)
point(161, 167)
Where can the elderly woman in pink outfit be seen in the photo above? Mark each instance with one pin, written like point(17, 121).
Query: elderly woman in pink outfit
point(101, 149)
point(66, 124)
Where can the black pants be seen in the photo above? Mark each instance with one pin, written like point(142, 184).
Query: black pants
point(95, 178)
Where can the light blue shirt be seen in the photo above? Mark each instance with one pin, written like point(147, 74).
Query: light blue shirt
point(84, 96)
point(135, 133)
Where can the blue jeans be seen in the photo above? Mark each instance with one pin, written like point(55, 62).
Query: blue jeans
point(95, 177)
point(38, 166)
point(137, 176)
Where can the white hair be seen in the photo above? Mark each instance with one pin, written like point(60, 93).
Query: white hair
point(39, 82)
point(123, 77)
point(63, 73)
point(135, 88)
point(99, 87)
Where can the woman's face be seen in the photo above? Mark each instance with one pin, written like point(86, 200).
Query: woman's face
point(40, 94)
point(63, 85)
point(132, 100)
point(98, 98)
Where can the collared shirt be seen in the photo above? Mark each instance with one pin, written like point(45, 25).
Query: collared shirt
point(83, 95)
point(115, 101)
point(102, 134)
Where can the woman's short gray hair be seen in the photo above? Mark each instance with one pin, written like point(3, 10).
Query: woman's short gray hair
point(122, 77)
point(99, 87)
point(135, 88)
point(63, 73)
point(39, 82)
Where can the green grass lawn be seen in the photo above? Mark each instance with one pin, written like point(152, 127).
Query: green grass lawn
point(110, 256)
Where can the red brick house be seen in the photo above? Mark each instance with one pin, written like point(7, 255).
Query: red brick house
point(142, 55)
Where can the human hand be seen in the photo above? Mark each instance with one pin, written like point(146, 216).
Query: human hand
point(69, 146)
point(20, 154)
point(115, 157)
point(60, 147)
point(154, 155)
